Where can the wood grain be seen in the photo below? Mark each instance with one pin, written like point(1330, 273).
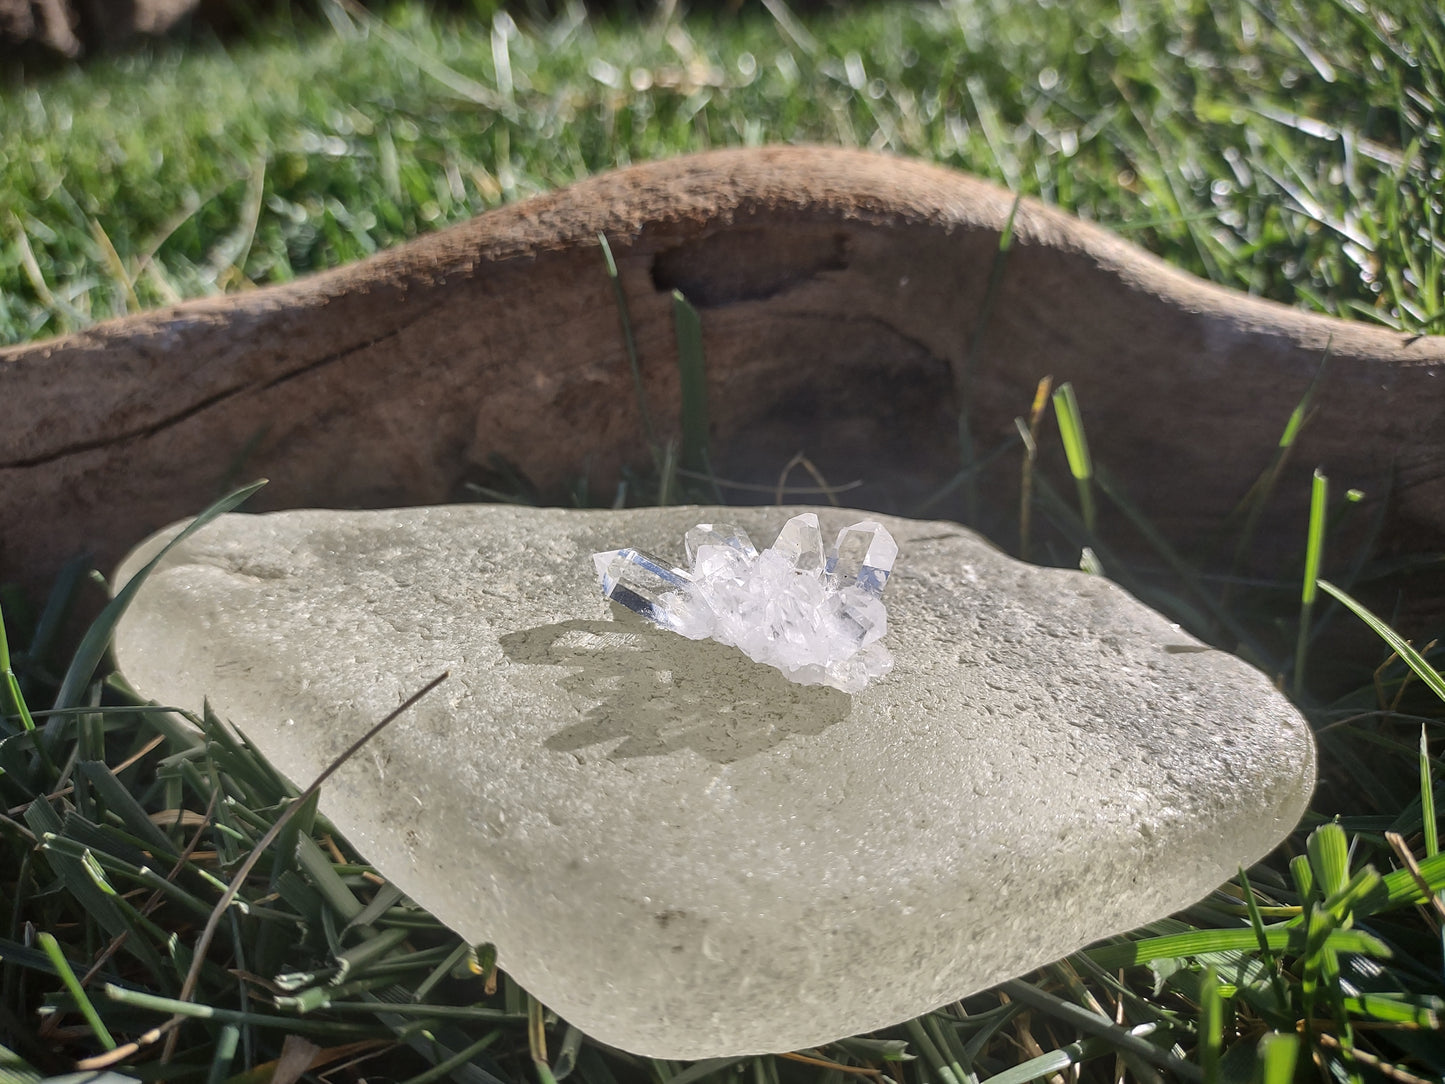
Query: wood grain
point(842, 296)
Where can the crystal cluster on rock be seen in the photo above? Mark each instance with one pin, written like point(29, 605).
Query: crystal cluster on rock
point(816, 617)
point(680, 851)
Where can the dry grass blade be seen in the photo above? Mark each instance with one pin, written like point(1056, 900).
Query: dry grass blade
point(1401, 848)
point(1029, 434)
point(833, 1066)
point(801, 460)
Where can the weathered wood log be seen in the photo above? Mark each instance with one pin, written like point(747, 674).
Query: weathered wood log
point(845, 310)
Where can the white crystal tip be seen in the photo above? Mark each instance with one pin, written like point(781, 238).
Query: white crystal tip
point(817, 616)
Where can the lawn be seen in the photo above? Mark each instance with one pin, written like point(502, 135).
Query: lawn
point(1293, 151)
point(1292, 154)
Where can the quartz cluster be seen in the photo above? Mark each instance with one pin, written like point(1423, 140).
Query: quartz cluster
point(815, 616)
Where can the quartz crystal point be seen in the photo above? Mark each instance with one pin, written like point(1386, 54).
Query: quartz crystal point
point(864, 554)
point(646, 585)
point(816, 617)
point(801, 543)
point(717, 534)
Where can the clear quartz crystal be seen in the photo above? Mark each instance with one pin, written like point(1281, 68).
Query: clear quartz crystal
point(801, 542)
point(717, 534)
point(864, 554)
point(860, 612)
point(816, 617)
point(646, 585)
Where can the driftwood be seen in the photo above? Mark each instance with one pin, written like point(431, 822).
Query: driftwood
point(846, 314)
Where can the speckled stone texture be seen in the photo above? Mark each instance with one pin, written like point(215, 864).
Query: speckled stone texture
point(674, 847)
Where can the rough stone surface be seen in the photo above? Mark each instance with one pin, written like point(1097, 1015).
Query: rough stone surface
point(676, 848)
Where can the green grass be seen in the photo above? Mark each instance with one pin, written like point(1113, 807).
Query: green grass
point(1294, 154)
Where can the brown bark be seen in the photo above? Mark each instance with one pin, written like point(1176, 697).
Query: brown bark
point(843, 305)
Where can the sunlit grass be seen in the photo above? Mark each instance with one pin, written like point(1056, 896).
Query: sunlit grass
point(1295, 154)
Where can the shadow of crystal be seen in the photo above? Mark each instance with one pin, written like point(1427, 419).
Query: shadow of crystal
point(654, 692)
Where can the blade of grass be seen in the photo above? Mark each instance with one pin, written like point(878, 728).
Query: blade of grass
point(69, 317)
point(1427, 798)
point(225, 1053)
point(869, 1049)
point(996, 1020)
point(566, 1060)
point(667, 474)
point(1329, 852)
point(630, 342)
point(979, 465)
point(14, 1069)
point(317, 866)
point(446, 1066)
point(189, 1010)
point(1416, 872)
point(1205, 942)
point(1256, 499)
point(931, 1053)
point(97, 638)
point(442, 970)
point(118, 799)
point(355, 960)
point(692, 376)
point(1275, 1058)
point(76, 991)
point(801, 460)
point(320, 1000)
point(1055, 1061)
point(966, 450)
point(1396, 1009)
point(1029, 434)
point(84, 879)
point(946, 1038)
point(791, 27)
point(1101, 1027)
point(537, 1040)
point(1314, 553)
point(1266, 954)
point(143, 875)
point(115, 265)
point(387, 896)
point(13, 702)
point(1076, 448)
point(760, 487)
point(1398, 644)
point(463, 86)
point(57, 608)
point(1211, 1026)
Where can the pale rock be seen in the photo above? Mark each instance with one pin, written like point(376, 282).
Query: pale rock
point(678, 849)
